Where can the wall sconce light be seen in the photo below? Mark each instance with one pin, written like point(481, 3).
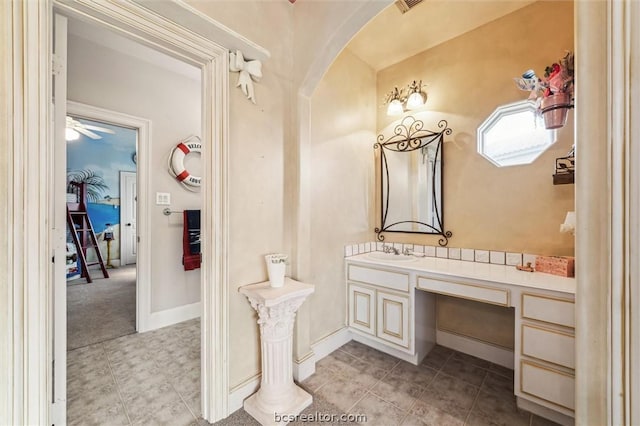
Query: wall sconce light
point(395, 100)
point(397, 103)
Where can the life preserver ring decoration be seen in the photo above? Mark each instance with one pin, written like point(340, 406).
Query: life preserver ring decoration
point(176, 161)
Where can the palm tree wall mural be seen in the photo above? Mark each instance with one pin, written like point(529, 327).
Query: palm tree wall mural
point(95, 183)
point(98, 163)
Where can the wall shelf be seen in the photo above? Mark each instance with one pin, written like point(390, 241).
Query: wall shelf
point(565, 170)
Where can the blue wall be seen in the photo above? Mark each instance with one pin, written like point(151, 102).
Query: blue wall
point(107, 157)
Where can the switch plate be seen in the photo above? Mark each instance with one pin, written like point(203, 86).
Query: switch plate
point(163, 199)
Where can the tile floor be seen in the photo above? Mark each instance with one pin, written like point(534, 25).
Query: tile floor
point(139, 379)
point(449, 388)
point(154, 379)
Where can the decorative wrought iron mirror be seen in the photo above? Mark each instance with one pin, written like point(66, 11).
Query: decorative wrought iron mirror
point(411, 180)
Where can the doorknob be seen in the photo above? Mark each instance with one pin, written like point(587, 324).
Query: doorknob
point(128, 224)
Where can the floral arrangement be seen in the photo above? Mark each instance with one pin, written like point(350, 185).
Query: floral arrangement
point(558, 78)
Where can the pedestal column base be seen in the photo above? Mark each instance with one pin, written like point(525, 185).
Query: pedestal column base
point(279, 399)
point(300, 401)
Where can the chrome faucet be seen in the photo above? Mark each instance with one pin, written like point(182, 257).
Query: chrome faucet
point(390, 249)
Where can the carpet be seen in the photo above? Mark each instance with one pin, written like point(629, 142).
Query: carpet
point(102, 310)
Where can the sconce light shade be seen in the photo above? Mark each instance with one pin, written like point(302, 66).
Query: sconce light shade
point(416, 97)
point(395, 107)
point(415, 100)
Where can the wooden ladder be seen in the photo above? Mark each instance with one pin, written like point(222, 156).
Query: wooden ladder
point(84, 238)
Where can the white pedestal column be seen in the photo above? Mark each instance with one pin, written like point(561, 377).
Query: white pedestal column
point(278, 395)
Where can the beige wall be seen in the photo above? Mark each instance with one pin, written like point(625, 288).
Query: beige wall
point(511, 208)
point(106, 78)
point(342, 174)
point(321, 29)
point(256, 166)
point(265, 161)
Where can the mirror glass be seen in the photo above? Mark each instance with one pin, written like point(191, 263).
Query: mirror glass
point(411, 180)
point(514, 134)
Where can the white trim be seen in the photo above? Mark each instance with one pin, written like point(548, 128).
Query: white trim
point(244, 390)
point(624, 131)
point(305, 367)
point(215, 241)
point(342, 35)
point(375, 343)
point(114, 262)
point(58, 227)
point(491, 353)
point(143, 169)
point(27, 370)
point(544, 412)
point(172, 316)
point(594, 206)
point(330, 343)
point(183, 14)
point(632, 324)
point(7, 282)
point(618, 144)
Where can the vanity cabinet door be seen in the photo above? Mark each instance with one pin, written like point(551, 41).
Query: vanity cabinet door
point(393, 318)
point(362, 308)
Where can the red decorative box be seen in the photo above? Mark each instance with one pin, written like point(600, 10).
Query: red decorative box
point(556, 265)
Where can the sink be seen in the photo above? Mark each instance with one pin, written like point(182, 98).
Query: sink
point(391, 257)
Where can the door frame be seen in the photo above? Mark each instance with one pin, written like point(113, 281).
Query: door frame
point(124, 174)
point(138, 23)
point(143, 169)
point(26, 357)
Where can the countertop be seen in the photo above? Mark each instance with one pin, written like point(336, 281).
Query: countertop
point(433, 267)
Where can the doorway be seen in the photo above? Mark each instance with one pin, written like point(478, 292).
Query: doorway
point(101, 283)
point(118, 74)
point(37, 234)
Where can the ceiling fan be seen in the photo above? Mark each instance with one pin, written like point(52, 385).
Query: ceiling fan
point(74, 128)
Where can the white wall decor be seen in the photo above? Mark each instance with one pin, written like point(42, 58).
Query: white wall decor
point(250, 71)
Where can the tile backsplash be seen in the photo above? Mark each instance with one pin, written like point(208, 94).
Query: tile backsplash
point(468, 254)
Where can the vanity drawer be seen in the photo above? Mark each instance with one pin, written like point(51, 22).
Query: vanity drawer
point(486, 294)
point(549, 309)
point(381, 278)
point(548, 345)
point(548, 384)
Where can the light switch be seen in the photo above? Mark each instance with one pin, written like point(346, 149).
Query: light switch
point(163, 199)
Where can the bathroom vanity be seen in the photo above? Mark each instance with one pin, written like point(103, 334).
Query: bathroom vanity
point(391, 306)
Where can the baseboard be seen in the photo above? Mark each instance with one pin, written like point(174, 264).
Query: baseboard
point(244, 390)
point(545, 412)
point(305, 367)
point(384, 347)
point(495, 354)
point(114, 262)
point(173, 316)
point(330, 343)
